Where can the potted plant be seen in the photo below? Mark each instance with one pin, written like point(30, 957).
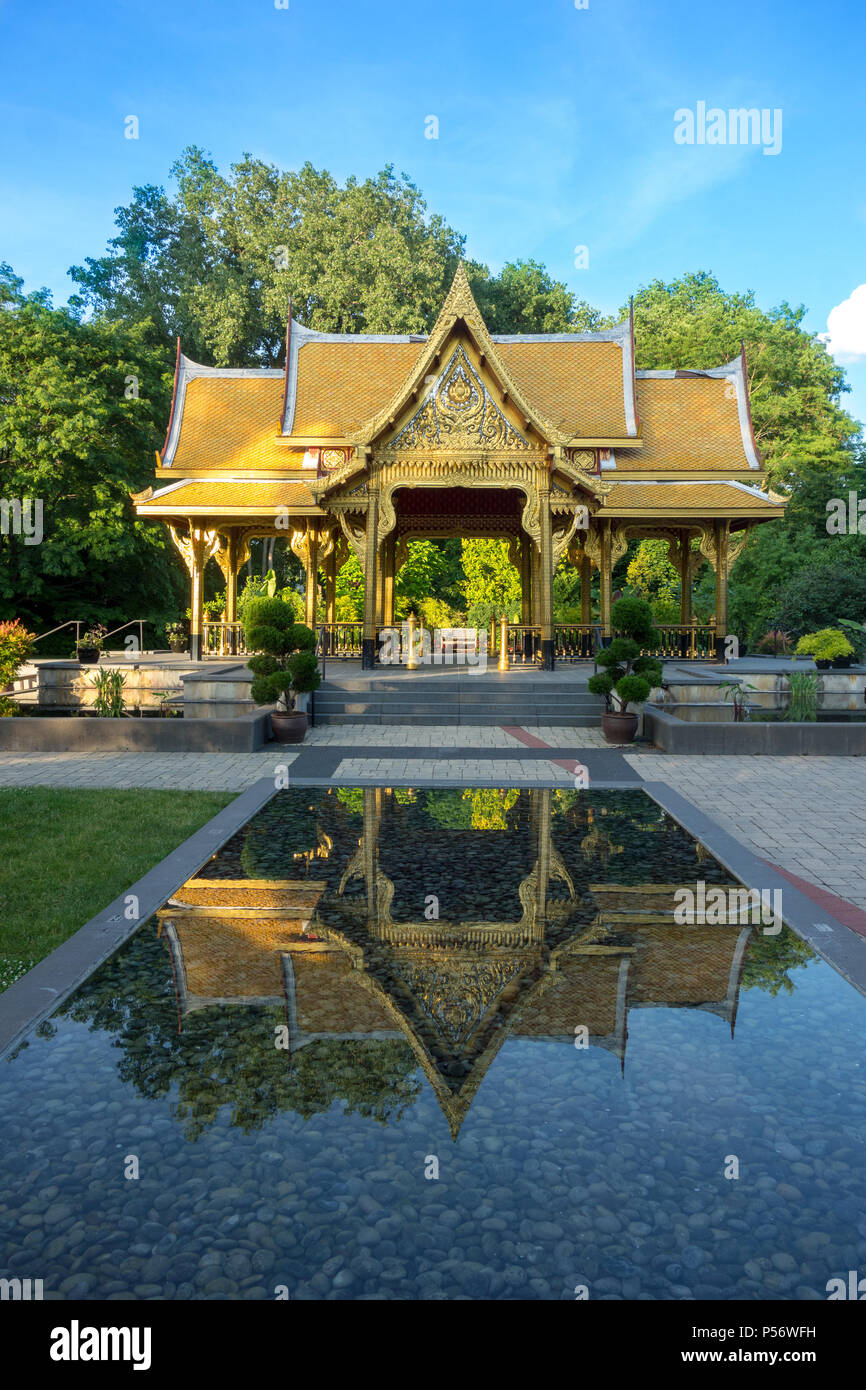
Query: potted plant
point(175, 635)
point(627, 677)
point(285, 664)
point(89, 644)
point(827, 647)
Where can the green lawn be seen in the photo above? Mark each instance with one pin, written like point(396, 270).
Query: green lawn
point(67, 853)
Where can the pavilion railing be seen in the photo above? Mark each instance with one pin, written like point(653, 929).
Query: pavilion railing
point(222, 639)
point(692, 641)
point(341, 639)
point(575, 641)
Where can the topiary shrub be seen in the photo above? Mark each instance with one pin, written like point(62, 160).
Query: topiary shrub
point(627, 677)
point(285, 663)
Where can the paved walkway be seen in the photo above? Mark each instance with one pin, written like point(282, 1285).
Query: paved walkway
point(805, 815)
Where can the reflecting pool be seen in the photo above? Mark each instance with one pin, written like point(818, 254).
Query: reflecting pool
point(443, 1044)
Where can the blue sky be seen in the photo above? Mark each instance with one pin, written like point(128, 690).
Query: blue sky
point(556, 129)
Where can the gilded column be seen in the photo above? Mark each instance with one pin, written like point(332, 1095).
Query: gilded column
point(605, 570)
point(585, 587)
point(331, 585)
point(312, 591)
point(721, 550)
point(685, 567)
point(196, 548)
point(371, 551)
point(545, 572)
point(388, 606)
point(526, 581)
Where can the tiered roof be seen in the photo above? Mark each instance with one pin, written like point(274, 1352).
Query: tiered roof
point(244, 441)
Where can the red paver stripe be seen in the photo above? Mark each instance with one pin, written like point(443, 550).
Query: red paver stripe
point(530, 741)
point(840, 908)
point(527, 739)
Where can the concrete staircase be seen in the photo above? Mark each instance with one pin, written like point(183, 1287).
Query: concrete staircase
point(531, 697)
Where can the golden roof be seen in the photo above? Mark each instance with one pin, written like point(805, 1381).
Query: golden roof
point(688, 423)
point(699, 497)
point(341, 384)
point(577, 385)
point(232, 422)
point(235, 496)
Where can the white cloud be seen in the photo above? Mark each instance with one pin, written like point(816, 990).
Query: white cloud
point(846, 326)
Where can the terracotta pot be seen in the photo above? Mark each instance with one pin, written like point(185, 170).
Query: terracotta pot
point(88, 655)
point(619, 728)
point(179, 645)
point(289, 728)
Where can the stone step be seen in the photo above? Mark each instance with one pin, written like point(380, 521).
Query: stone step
point(487, 720)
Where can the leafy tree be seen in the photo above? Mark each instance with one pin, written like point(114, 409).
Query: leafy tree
point(285, 660)
point(82, 408)
point(524, 298)
point(627, 677)
point(794, 383)
point(777, 553)
point(219, 263)
point(491, 579)
point(818, 596)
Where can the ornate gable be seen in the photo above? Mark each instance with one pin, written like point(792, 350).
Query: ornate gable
point(458, 412)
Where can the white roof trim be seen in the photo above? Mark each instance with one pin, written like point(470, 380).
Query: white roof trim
point(300, 335)
point(187, 371)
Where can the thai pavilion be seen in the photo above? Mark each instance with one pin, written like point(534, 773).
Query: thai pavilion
point(552, 442)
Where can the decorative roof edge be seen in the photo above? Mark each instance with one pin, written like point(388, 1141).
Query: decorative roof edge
point(187, 371)
point(734, 372)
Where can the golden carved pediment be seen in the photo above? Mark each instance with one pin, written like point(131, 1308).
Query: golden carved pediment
point(458, 411)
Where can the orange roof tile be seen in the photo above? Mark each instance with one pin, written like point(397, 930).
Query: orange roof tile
point(663, 497)
point(691, 423)
point(342, 384)
point(238, 495)
point(232, 422)
point(577, 386)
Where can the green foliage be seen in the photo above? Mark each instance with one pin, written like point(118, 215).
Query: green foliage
point(108, 684)
point(72, 437)
point(794, 383)
point(632, 690)
point(491, 579)
point(427, 574)
point(825, 645)
point(820, 595)
point(285, 659)
point(803, 705)
point(524, 298)
point(633, 617)
point(650, 573)
point(16, 643)
point(770, 958)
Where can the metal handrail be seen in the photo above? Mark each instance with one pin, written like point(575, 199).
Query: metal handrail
point(140, 622)
point(71, 622)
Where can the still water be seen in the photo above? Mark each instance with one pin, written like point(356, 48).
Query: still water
point(442, 1044)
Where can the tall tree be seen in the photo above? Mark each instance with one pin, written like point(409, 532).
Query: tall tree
point(220, 262)
point(82, 408)
point(794, 384)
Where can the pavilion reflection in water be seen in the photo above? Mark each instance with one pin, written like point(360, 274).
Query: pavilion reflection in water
point(347, 956)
